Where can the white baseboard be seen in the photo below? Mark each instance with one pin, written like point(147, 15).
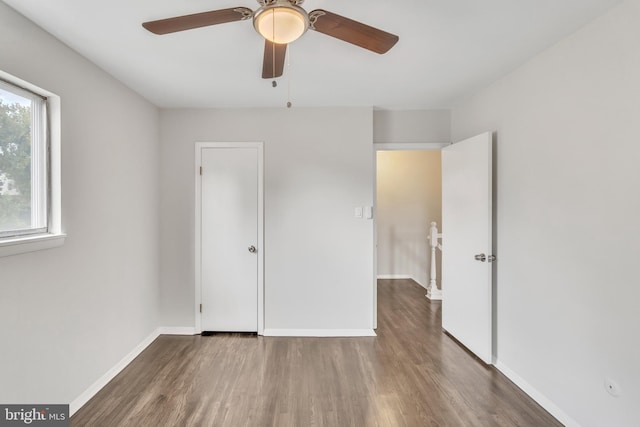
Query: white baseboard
point(94, 388)
point(400, 276)
point(536, 395)
point(394, 276)
point(418, 282)
point(319, 333)
point(177, 330)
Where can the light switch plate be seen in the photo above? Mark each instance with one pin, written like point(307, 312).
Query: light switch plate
point(368, 212)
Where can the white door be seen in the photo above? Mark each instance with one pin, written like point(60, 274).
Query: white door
point(229, 239)
point(467, 243)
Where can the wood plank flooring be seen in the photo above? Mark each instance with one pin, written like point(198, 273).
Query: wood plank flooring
point(411, 374)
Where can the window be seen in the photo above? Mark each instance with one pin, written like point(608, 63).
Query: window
point(29, 166)
point(23, 160)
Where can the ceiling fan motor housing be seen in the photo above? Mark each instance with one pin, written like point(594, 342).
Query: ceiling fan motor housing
point(281, 21)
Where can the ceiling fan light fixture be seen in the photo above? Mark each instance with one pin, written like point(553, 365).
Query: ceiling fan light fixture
point(281, 22)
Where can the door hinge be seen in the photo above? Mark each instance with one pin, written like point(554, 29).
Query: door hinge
point(200, 170)
point(200, 308)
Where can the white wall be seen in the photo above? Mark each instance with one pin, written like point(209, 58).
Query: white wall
point(70, 314)
point(318, 168)
point(408, 199)
point(568, 127)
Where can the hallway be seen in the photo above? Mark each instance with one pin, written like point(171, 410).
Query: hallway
point(410, 375)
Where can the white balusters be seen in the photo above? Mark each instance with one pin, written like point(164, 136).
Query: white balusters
point(433, 293)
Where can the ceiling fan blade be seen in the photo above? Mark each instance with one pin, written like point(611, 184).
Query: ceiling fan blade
point(197, 20)
point(352, 31)
point(273, 62)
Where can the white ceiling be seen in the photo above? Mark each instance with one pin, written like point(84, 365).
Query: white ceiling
point(447, 48)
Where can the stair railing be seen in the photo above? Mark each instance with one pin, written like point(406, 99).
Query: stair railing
point(433, 293)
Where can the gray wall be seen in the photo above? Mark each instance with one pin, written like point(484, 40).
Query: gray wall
point(567, 126)
point(410, 197)
point(408, 126)
point(566, 200)
point(318, 168)
point(70, 314)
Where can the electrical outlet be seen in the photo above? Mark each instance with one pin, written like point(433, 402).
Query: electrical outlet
point(612, 387)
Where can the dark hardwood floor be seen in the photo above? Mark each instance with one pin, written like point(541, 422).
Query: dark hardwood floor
point(411, 374)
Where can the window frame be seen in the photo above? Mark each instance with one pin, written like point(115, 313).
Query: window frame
point(52, 236)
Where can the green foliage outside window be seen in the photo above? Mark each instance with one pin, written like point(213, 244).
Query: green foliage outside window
point(15, 166)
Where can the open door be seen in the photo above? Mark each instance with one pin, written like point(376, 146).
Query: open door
point(467, 250)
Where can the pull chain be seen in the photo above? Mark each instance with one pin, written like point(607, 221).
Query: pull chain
point(273, 48)
point(273, 45)
point(289, 77)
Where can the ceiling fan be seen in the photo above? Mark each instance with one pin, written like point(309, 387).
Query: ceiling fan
point(281, 22)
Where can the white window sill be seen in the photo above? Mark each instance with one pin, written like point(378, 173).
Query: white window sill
point(31, 243)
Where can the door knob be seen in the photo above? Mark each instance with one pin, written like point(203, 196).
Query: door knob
point(483, 258)
point(252, 249)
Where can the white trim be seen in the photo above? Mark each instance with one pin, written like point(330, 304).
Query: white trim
point(400, 276)
point(260, 245)
point(536, 395)
point(55, 237)
point(374, 286)
point(319, 333)
point(55, 180)
point(94, 388)
point(419, 283)
point(177, 330)
point(199, 146)
point(408, 146)
point(30, 243)
point(394, 276)
point(198, 240)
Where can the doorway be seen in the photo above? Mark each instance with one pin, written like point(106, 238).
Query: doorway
point(229, 237)
point(467, 222)
point(401, 223)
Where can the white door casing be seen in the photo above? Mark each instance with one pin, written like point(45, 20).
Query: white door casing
point(229, 243)
point(467, 232)
point(393, 146)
